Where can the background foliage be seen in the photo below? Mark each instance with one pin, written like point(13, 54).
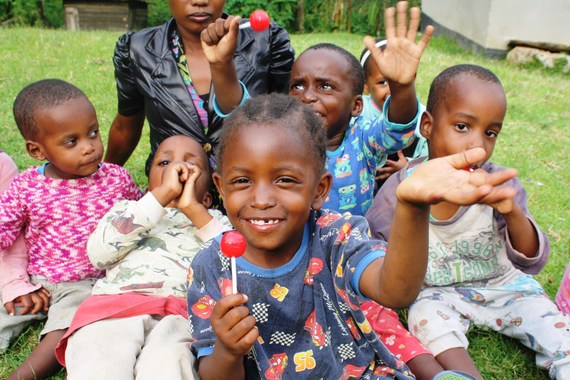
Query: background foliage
point(356, 16)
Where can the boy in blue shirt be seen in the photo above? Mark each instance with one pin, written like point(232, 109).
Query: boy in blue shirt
point(331, 80)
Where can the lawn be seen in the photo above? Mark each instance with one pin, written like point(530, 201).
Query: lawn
point(533, 140)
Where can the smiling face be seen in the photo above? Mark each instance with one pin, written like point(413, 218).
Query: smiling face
point(321, 78)
point(181, 149)
point(471, 115)
point(269, 184)
point(193, 16)
point(68, 137)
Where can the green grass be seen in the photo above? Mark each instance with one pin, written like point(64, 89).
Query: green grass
point(533, 140)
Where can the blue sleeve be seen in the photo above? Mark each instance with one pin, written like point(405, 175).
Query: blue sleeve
point(384, 137)
point(352, 251)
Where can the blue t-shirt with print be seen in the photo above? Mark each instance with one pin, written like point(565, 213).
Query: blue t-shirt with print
point(366, 144)
point(307, 311)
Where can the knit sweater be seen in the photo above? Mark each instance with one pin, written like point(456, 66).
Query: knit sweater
point(58, 215)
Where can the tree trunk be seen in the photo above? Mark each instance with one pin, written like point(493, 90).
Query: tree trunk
point(301, 16)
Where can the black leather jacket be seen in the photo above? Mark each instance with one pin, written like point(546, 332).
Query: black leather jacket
point(148, 79)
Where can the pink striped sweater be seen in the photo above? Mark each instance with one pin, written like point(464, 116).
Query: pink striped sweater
point(58, 216)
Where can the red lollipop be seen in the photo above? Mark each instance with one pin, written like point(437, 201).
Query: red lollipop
point(233, 245)
point(258, 21)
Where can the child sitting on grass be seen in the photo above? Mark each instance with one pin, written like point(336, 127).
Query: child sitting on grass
point(331, 80)
point(297, 314)
point(57, 206)
point(563, 294)
point(135, 324)
point(472, 275)
point(15, 285)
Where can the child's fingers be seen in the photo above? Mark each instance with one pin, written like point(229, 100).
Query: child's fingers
point(227, 303)
point(389, 22)
point(375, 52)
point(44, 295)
point(426, 37)
point(466, 158)
point(414, 24)
point(27, 304)
point(248, 340)
point(9, 306)
point(401, 18)
point(501, 177)
point(498, 194)
point(182, 170)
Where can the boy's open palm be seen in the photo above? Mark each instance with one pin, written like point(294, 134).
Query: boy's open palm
point(400, 59)
point(444, 179)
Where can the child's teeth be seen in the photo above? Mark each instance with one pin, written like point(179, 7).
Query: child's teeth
point(260, 222)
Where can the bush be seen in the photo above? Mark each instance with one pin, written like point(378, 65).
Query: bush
point(158, 12)
point(44, 13)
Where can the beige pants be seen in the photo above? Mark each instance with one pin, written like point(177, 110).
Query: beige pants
point(141, 347)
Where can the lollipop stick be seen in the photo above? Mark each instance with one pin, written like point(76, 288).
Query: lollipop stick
point(245, 25)
point(234, 276)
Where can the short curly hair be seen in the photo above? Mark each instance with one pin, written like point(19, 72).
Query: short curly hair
point(284, 111)
point(46, 93)
point(356, 71)
point(439, 86)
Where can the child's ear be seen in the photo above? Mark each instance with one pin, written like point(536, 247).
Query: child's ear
point(322, 191)
point(218, 182)
point(35, 150)
point(426, 125)
point(207, 199)
point(357, 106)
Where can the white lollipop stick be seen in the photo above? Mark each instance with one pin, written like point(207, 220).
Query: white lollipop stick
point(234, 276)
point(245, 25)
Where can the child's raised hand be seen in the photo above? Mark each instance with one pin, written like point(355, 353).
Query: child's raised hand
point(234, 327)
point(445, 179)
point(219, 40)
point(31, 303)
point(399, 61)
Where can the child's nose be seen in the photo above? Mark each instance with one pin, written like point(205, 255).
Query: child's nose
point(87, 147)
point(476, 141)
point(308, 96)
point(263, 196)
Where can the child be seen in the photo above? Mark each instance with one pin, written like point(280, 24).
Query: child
point(15, 285)
point(304, 268)
point(377, 91)
point(475, 250)
point(563, 295)
point(57, 206)
point(135, 325)
point(330, 80)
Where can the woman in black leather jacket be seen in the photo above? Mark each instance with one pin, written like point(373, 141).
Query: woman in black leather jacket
point(153, 80)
